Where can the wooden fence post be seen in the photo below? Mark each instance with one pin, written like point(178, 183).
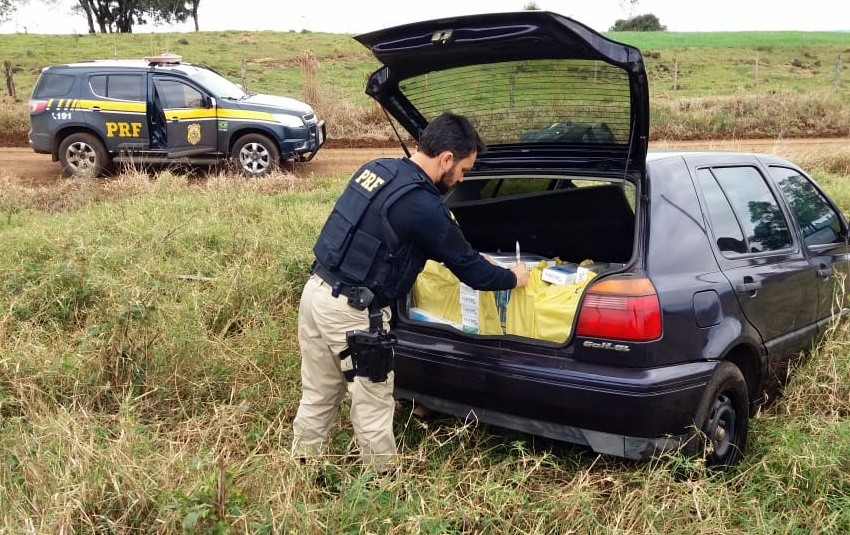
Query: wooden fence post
point(676, 74)
point(10, 81)
point(838, 71)
point(757, 72)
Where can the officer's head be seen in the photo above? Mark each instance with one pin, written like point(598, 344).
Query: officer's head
point(452, 143)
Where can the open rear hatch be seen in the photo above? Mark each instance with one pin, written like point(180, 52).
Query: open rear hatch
point(564, 113)
point(544, 91)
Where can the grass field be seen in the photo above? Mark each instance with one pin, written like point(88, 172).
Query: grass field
point(149, 377)
point(703, 85)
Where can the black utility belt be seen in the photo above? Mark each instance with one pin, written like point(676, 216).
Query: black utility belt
point(359, 297)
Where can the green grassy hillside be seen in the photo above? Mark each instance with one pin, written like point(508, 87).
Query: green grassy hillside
point(736, 84)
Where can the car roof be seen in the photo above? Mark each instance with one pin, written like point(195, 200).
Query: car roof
point(128, 64)
point(659, 154)
point(715, 155)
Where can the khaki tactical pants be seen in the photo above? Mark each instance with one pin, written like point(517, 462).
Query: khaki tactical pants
point(322, 323)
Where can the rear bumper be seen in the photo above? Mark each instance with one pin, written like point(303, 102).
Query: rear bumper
point(40, 143)
point(626, 412)
point(637, 448)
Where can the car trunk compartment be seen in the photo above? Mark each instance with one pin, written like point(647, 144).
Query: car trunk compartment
point(584, 230)
point(572, 224)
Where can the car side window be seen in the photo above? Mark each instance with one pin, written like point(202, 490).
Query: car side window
point(730, 237)
point(740, 197)
point(175, 94)
point(818, 221)
point(53, 85)
point(117, 86)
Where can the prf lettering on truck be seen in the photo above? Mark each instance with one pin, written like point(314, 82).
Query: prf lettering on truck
point(123, 129)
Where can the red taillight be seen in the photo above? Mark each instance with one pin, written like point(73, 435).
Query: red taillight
point(621, 309)
point(37, 106)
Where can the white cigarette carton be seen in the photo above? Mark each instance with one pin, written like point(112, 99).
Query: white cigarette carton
point(561, 274)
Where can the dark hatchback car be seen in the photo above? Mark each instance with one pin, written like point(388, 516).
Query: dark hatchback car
point(705, 273)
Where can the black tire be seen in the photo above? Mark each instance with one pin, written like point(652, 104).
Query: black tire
point(255, 155)
point(721, 418)
point(83, 154)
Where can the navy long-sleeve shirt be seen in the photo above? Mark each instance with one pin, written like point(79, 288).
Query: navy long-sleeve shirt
point(421, 218)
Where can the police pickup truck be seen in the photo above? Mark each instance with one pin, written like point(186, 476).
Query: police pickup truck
point(160, 110)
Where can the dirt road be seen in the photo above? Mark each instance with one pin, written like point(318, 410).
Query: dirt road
point(29, 169)
point(32, 170)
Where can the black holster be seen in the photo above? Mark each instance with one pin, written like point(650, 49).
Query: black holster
point(371, 351)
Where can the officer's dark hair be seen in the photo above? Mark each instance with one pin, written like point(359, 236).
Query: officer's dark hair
point(450, 132)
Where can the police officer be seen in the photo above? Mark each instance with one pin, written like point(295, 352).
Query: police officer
point(388, 221)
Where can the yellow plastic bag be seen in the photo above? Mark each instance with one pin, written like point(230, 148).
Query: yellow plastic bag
point(437, 292)
point(542, 310)
point(521, 316)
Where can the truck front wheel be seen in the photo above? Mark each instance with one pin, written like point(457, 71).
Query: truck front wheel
point(255, 155)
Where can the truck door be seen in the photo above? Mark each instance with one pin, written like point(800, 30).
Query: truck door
point(117, 111)
point(189, 116)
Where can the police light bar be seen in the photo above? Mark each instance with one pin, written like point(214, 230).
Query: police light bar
point(164, 59)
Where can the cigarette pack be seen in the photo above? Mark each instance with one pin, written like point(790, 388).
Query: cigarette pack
point(560, 274)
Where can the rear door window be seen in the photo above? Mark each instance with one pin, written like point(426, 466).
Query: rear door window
point(744, 213)
point(118, 86)
point(818, 221)
point(52, 85)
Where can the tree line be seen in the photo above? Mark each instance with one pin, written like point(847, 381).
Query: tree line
point(119, 16)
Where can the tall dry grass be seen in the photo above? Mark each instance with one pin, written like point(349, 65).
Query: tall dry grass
point(762, 115)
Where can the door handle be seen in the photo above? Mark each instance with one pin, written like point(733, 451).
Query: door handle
point(95, 108)
point(824, 271)
point(175, 119)
point(749, 286)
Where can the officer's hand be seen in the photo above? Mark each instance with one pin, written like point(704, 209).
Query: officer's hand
point(521, 273)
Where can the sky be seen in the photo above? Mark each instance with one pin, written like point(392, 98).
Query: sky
point(358, 16)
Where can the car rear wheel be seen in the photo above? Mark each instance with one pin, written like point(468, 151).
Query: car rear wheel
point(255, 155)
point(722, 417)
point(82, 154)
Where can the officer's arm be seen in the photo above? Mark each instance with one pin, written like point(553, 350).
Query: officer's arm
point(429, 225)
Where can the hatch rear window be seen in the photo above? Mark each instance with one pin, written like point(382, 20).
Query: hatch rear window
point(53, 85)
point(533, 101)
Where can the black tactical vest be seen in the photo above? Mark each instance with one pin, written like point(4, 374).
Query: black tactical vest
point(357, 243)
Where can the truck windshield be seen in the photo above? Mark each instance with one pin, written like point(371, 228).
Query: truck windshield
point(218, 85)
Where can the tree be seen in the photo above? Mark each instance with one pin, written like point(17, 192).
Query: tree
point(639, 23)
point(193, 9)
point(7, 9)
point(628, 7)
point(119, 16)
point(531, 6)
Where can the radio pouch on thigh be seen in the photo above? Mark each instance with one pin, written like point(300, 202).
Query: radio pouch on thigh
point(371, 351)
